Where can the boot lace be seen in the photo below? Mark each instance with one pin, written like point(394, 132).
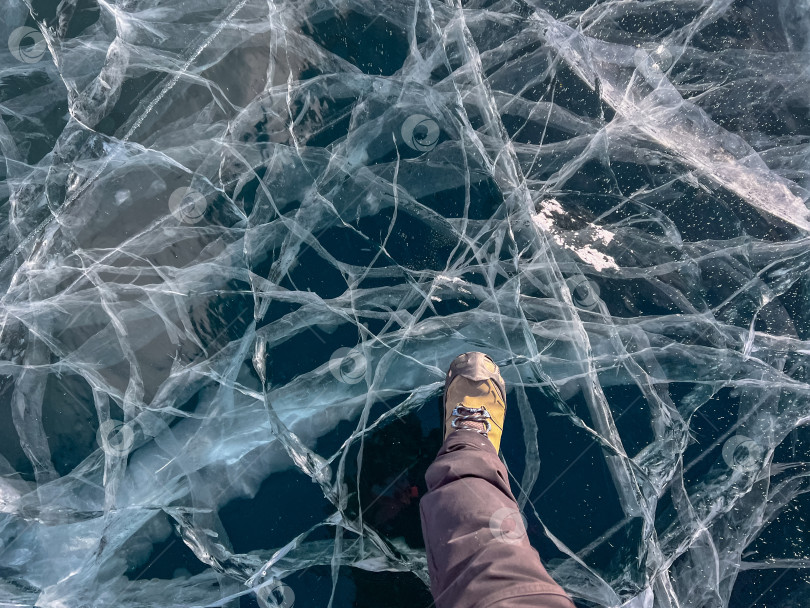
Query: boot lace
point(462, 414)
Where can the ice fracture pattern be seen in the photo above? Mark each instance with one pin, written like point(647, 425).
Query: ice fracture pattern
point(242, 241)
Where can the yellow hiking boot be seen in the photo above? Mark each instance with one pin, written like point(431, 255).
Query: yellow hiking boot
point(475, 397)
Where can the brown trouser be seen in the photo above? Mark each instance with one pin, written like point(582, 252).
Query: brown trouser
point(477, 549)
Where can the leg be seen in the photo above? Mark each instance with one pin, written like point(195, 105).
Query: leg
point(477, 549)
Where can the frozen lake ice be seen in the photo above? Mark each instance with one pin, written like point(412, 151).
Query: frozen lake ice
point(241, 241)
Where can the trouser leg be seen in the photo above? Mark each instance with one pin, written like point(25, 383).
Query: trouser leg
point(477, 549)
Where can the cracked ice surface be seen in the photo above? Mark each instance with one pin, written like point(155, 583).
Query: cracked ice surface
point(243, 238)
